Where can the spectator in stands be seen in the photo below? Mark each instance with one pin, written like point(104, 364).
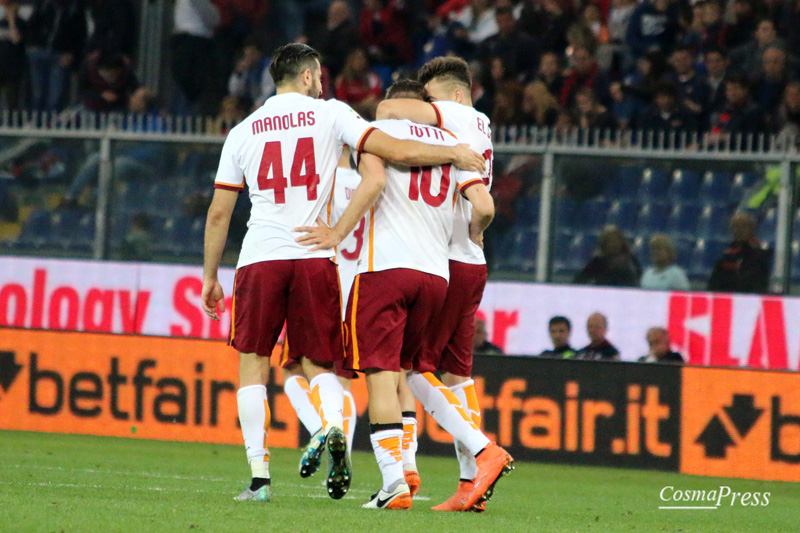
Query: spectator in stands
point(518, 50)
point(550, 73)
point(715, 30)
point(653, 26)
point(622, 107)
point(559, 328)
point(739, 115)
point(192, 49)
point(138, 243)
point(748, 57)
point(585, 72)
point(339, 37)
point(716, 62)
point(480, 342)
point(292, 16)
point(650, 71)
point(358, 86)
point(55, 38)
point(548, 20)
point(598, 349)
point(667, 115)
point(250, 80)
point(384, 31)
point(771, 82)
point(618, 19)
point(114, 27)
point(613, 264)
point(789, 115)
point(12, 54)
point(744, 265)
point(507, 103)
point(744, 24)
point(589, 114)
point(107, 81)
point(580, 32)
point(664, 274)
point(660, 349)
point(539, 107)
point(693, 90)
point(232, 110)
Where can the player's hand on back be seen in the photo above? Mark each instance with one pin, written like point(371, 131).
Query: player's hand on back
point(468, 159)
point(321, 236)
point(211, 297)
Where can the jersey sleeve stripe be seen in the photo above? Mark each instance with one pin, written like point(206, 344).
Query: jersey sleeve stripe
point(228, 187)
point(438, 112)
point(363, 140)
point(463, 187)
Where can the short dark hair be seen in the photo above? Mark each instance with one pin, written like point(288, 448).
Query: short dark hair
point(407, 87)
point(560, 320)
point(290, 60)
point(445, 69)
point(714, 49)
point(739, 78)
point(666, 88)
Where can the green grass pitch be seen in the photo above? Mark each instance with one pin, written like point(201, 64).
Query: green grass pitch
point(51, 482)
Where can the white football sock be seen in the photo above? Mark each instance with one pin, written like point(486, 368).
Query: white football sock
point(410, 443)
point(387, 446)
point(327, 395)
point(466, 460)
point(446, 409)
point(299, 393)
point(254, 419)
point(350, 415)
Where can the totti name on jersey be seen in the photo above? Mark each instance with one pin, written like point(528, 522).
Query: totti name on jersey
point(283, 122)
point(423, 132)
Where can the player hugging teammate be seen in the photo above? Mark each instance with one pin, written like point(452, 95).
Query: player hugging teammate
point(415, 220)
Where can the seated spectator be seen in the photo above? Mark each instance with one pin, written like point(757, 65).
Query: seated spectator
point(748, 57)
point(715, 32)
point(560, 328)
point(666, 116)
point(770, 83)
point(384, 31)
point(739, 115)
point(250, 79)
point(789, 115)
point(519, 51)
point(693, 91)
point(613, 264)
point(653, 26)
point(589, 114)
point(12, 54)
point(744, 265)
point(640, 85)
point(138, 243)
point(660, 349)
point(585, 72)
point(618, 18)
point(581, 33)
point(480, 342)
point(548, 21)
point(358, 86)
point(744, 23)
point(507, 102)
point(622, 106)
point(338, 38)
point(598, 349)
point(107, 82)
point(716, 62)
point(664, 274)
point(550, 73)
point(539, 107)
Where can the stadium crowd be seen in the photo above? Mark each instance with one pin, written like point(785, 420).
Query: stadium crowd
point(659, 65)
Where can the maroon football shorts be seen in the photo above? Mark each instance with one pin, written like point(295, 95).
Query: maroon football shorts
point(389, 316)
point(304, 293)
point(451, 342)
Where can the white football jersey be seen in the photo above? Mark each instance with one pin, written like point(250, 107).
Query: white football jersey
point(287, 152)
point(349, 249)
point(472, 127)
point(411, 223)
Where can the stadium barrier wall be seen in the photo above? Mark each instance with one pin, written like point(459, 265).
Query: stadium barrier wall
point(696, 420)
point(164, 300)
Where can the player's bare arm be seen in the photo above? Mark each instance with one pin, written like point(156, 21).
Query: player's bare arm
point(408, 108)
point(413, 153)
point(217, 222)
point(482, 211)
point(373, 181)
